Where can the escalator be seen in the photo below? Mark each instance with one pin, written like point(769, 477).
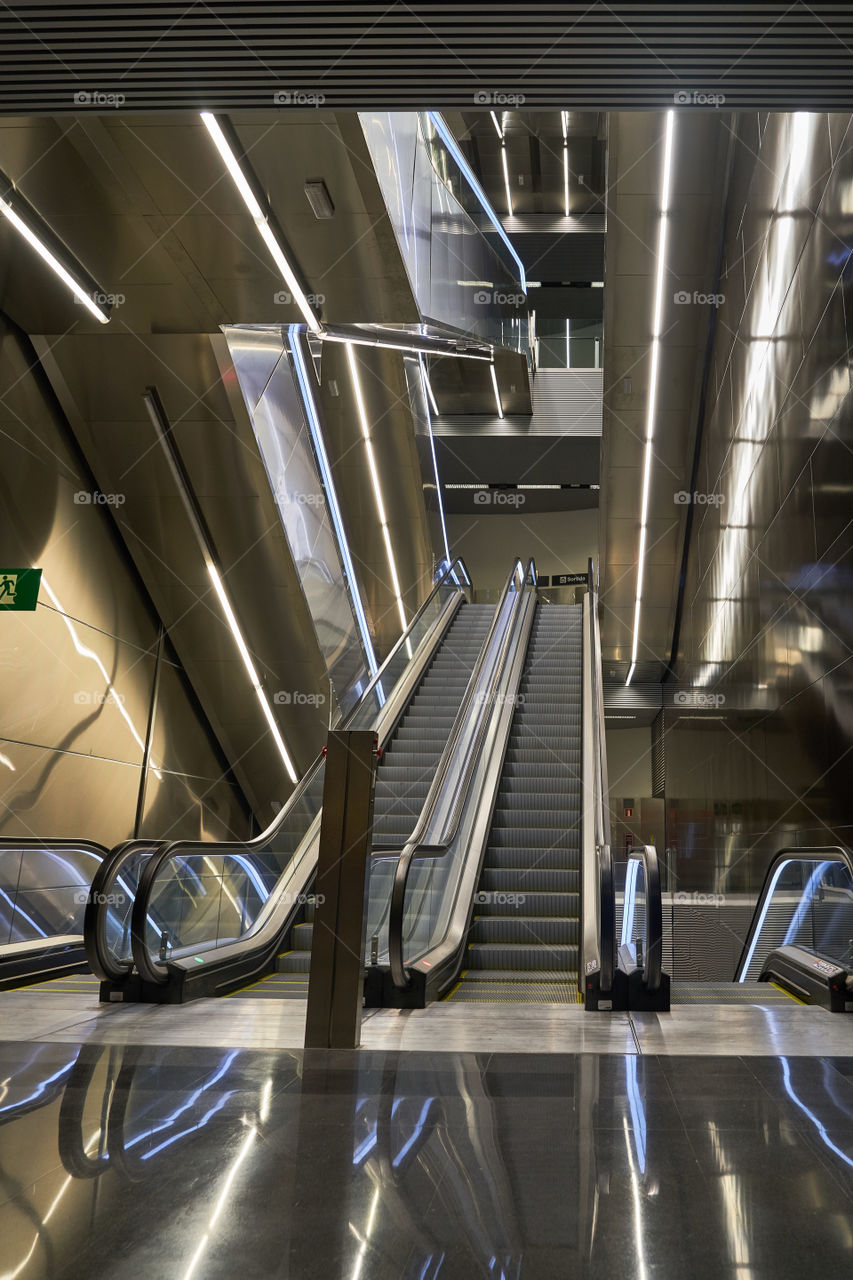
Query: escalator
point(507, 895)
point(203, 918)
point(406, 768)
point(801, 936)
point(44, 887)
point(523, 944)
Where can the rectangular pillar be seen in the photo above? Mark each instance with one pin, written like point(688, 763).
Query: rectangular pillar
point(336, 982)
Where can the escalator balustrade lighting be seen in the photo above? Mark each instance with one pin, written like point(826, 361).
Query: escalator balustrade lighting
point(244, 185)
point(71, 272)
point(374, 476)
point(651, 410)
point(316, 432)
point(161, 426)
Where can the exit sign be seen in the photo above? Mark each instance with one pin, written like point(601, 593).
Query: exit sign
point(19, 589)
point(562, 580)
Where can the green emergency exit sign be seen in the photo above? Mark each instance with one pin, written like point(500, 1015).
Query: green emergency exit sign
point(19, 588)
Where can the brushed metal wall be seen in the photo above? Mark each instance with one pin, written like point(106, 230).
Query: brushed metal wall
point(759, 728)
point(77, 676)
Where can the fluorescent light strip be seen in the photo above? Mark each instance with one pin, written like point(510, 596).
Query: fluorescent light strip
point(374, 476)
point(430, 397)
point(437, 121)
point(497, 125)
point(250, 667)
point(161, 427)
point(566, 177)
point(506, 180)
point(564, 122)
point(331, 494)
point(52, 261)
point(654, 377)
point(428, 386)
point(496, 391)
point(260, 219)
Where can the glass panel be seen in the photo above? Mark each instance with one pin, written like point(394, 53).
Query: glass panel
point(460, 270)
point(808, 903)
point(43, 890)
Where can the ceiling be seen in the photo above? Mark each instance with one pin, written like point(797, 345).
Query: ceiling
point(227, 54)
point(696, 209)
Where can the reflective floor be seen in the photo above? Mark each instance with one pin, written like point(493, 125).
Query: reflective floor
point(169, 1161)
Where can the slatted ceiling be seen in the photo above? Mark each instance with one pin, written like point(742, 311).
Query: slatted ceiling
point(576, 56)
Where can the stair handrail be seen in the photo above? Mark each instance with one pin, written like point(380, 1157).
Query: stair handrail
point(597, 891)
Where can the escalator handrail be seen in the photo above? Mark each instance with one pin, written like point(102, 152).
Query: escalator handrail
point(840, 853)
point(414, 846)
point(96, 914)
point(606, 896)
point(178, 848)
point(653, 958)
point(607, 908)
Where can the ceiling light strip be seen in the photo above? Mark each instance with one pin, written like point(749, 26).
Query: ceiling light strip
point(313, 420)
point(161, 426)
point(438, 123)
point(261, 220)
point(505, 167)
point(34, 240)
point(374, 476)
point(654, 379)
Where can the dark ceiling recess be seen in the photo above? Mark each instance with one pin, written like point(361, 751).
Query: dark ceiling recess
point(138, 57)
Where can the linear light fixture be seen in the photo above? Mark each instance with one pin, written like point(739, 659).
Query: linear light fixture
point(496, 390)
point(564, 120)
point(428, 385)
point(651, 407)
point(506, 179)
point(430, 398)
point(374, 476)
point(331, 493)
point(261, 220)
point(497, 125)
point(160, 423)
point(35, 241)
point(437, 121)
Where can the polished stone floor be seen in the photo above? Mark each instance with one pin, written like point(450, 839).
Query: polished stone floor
point(140, 1162)
point(764, 1027)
